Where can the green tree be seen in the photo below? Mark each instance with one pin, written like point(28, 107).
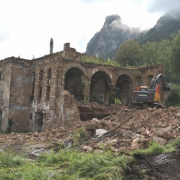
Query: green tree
point(149, 53)
point(129, 53)
point(176, 55)
point(164, 56)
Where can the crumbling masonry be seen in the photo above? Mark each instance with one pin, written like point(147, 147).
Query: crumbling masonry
point(32, 91)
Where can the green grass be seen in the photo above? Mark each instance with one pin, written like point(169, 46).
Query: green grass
point(74, 165)
point(176, 142)
point(65, 165)
point(10, 159)
point(155, 148)
point(87, 165)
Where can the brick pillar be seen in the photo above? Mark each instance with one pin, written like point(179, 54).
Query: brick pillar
point(45, 84)
point(36, 86)
point(61, 79)
point(87, 90)
point(112, 94)
point(53, 86)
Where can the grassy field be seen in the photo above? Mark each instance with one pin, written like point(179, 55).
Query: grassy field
point(73, 165)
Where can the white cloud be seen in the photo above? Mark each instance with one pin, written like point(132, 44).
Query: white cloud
point(31, 24)
point(163, 5)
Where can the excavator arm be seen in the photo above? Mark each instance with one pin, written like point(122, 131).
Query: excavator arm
point(160, 79)
point(152, 96)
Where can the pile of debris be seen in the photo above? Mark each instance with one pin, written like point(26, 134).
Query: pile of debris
point(126, 129)
point(91, 110)
point(49, 135)
point(130, 129)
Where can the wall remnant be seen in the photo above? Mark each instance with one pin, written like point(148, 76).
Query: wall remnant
point(41, 93)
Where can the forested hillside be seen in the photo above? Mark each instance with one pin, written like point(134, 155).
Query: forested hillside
point(165, 27)
point(106, 42)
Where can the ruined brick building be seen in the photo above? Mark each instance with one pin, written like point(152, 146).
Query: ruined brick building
point(31, 91)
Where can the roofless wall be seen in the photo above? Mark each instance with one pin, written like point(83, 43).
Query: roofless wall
point(32, 91)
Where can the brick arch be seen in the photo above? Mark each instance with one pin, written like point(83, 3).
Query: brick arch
point(74, 65)
point(133, 79)
point(103, 72)
point(148, 78)
point(102, 69)
point(139, 79)
point(124, 87)
point(100, 87)
point(74, 81)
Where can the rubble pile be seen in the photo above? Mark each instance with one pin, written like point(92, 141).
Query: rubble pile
point(91, 110)
point(126, 129)
point(131, 129)
point(49, 135)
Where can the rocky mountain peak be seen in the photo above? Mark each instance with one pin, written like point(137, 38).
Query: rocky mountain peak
point(110, 19)
point(113, 33)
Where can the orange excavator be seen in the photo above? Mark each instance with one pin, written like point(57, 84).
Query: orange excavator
point(151, 96)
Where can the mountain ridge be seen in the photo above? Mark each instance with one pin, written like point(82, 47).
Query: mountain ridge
point(106, 42)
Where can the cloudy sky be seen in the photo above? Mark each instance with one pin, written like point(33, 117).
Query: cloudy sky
point(26, 26)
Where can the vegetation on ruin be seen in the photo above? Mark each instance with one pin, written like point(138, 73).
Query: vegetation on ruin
point(73, 164)
point(117, 101)
point(99, 60)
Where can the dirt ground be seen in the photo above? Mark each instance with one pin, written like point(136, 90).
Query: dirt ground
point(155, 167)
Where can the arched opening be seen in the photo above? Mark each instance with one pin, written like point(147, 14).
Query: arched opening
point(99, 88)
point(149, 79)
point(138, 81)
point(38, 123)
point(74, 83)
point(124, 89)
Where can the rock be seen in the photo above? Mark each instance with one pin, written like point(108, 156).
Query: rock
point(91, 126)
point(124, 149)
point(62, 129)
point(99, 125)
point(111, 142)
point(87, 148)
point(139, 142)
point(119, 131)
point(150, 109)
point(159, 140)
point(125, 143)
point(90, 132)
point(113, 149)
point(178, 115)
point(163, 132)
point(100, 132)
point(68, 143)
point(98, 151)
point(94, 120)
point(159, 125)
point(128, 134)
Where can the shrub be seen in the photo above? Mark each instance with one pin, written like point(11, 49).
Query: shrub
point(117, 101)
point(9, 159)
point(174, 98)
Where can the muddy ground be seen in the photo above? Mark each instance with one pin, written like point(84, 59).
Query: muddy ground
point(155, 167)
